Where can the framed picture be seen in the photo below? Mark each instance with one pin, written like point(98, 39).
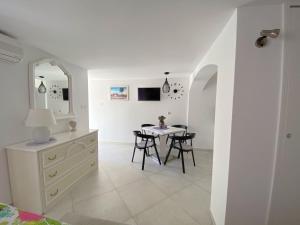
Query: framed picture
point(119, 93)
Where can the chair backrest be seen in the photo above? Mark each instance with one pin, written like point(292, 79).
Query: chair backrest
point(147, 125)
point(136, 132)
point(181, 126)
point(139, 134)
point(186, 137)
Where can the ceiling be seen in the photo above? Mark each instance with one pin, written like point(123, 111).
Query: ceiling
point(120, 38)
point(49, 72)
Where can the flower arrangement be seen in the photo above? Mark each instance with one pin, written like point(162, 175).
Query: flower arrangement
point(162, 122)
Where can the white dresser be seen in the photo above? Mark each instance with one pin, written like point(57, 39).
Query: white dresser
point(42, 174)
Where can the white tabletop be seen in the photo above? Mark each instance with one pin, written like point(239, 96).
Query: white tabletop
point(59, 138)
point(165, 131)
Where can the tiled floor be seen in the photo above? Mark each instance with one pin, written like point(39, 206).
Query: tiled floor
point(159, 195)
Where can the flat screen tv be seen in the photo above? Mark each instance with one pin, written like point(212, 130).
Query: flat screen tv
point(149, 94)
point(65, 92)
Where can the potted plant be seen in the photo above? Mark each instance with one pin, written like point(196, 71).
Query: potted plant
point(162, 122)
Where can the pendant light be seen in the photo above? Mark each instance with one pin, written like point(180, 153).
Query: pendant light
point(166, 86)
point(42, 88)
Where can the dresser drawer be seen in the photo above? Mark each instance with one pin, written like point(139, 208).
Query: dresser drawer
point(55, 172)
point(89, 139)
point(62, 152)
point(67, 181)
point(55, 154)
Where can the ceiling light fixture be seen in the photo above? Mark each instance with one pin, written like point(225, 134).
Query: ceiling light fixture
point(42, 88)
point(166, 86)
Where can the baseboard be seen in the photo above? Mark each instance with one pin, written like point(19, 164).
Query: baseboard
point(131, 143)
point(201, 149)
point(212, 218)
point(117, 142)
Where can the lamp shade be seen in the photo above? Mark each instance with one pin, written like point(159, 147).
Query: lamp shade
point(166, 87)
point(40, 118)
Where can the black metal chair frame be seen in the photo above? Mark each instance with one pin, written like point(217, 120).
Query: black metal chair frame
point(177, 126)
point(179, 140)
point(144, 132)
point(147, 142)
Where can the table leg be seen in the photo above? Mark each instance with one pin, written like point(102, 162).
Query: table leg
point(163, 146)
point(163, 150)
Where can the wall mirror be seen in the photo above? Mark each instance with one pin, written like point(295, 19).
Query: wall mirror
point(51, 88)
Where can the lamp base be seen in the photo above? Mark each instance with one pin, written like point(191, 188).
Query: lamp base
point(40, 135)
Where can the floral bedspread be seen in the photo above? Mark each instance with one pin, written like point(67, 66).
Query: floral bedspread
point(10, 215)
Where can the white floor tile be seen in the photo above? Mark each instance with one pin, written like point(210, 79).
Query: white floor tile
point(165, 213)
point(131, 222)
point(169, 184)
point(195, 201)
point(106, 206)
point(125, 176)
point(140, 195)
point(95, 184)
point(61, 208)
point(204, 183)
point(160, 195)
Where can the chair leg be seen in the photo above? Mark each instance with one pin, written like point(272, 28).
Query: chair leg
point(144, 158)
point(182, 159)
point(157, 154)
point(193, 158)
point(179, 155)
point(167, 157)
point(133, 154)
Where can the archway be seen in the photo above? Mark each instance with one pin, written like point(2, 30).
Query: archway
point(202, 101)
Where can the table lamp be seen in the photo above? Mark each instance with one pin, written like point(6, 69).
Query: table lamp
point(40, 120)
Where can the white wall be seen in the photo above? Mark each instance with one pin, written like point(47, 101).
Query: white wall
point(255, 116)
point(222, 54)
point(14, 101)
point(117, 119)
point(285, 201)
point(201, 113)
point(246, 120)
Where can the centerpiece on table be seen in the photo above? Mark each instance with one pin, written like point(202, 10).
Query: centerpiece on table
point(162, 124)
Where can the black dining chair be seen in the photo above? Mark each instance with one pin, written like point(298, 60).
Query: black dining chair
point(144, 132)
point(180, 143)
point(178, 134)
point(146, 142)
point(148, 125)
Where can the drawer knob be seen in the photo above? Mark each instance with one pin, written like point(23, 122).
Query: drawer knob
point(53, 175)
point(92, 151)
point(54, 194)
point(93, 164)
point(52, 158)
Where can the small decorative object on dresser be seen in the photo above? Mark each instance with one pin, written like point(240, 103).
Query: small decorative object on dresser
point(40, 120)
point(40, 175)
point(72, 125)
point(162, 122)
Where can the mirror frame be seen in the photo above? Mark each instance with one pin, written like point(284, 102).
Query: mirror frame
point(31, 84)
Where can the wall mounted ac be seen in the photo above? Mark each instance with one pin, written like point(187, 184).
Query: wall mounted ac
point(10, 50)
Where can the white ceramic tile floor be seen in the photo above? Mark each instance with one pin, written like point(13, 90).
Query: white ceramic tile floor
point(160, 195)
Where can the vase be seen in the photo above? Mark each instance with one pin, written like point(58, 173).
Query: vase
point(72, 125)
point(162, 122)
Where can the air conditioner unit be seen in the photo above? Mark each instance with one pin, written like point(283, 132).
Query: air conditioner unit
point(10, 50)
